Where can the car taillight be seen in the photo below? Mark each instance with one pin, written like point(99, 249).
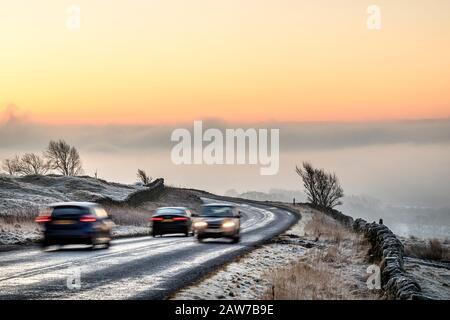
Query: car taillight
point(43, 219)
point(179, 219)
point(156, 219)
point(88, 219)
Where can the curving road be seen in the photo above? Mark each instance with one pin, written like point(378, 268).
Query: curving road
point(133, 268)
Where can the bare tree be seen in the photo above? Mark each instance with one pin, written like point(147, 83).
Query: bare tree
point(308, 176)
point(322, 188)
point(31, 163)
point(11, 166)
point(143, 177)
point(63, 158)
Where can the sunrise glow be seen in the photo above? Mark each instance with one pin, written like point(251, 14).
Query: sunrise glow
point(167, 61)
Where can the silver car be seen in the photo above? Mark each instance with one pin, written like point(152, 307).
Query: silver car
point(218, 220)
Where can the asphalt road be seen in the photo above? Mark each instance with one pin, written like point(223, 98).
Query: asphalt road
point(133, 268)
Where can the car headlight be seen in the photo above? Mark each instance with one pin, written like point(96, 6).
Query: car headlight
point(200, 224)
point(228, 224)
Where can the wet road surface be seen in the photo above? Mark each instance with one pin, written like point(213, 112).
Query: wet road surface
point(132, 268)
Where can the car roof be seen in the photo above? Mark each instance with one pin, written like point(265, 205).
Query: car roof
point(219, 205)
point(178, 208)
point(75, 204)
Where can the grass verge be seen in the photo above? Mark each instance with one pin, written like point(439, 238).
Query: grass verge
point(335, 270)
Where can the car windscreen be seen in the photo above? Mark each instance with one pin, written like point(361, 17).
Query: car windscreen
point(169, 211)
point(217, 211)
point(69, 211)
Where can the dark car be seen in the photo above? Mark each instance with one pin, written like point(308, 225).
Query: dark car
point(171, 220)
point(217, 221)
point(76, 223)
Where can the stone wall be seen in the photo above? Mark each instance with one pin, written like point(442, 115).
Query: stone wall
point(335, 214)
point(389, 250)
point(151, 192)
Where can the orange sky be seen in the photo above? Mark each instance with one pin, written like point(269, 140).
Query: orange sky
point(254, 60)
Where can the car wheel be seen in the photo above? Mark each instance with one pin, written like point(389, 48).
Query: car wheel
point(236, 239)
point(200, 239)
point(94, 242)
point(45, 244)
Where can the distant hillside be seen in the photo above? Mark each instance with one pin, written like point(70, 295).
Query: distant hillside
point(273, 195)
point(19, 193)
point(404, 220)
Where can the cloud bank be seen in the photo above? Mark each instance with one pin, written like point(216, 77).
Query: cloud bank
point(17, 132)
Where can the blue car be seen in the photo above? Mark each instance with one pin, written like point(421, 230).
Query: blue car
point(76, 223)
